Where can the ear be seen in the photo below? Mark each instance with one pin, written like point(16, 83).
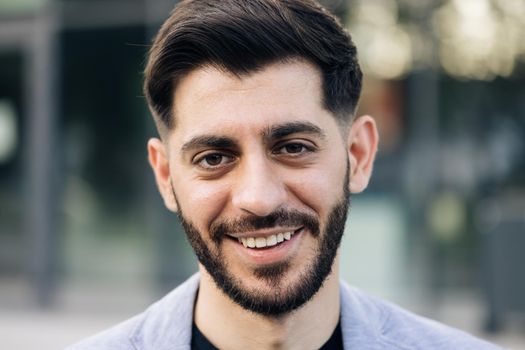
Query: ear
point(159, 161)
point(362, 148)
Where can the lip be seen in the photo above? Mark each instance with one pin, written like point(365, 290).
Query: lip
point(267, 255)
point(264, 233)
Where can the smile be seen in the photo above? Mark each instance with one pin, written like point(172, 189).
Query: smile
point(262, 248)
point(268, 241)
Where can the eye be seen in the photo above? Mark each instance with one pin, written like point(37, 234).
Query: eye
point(293, 149)
point(213, 160)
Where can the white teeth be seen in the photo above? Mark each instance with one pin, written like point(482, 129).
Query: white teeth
point(269, 241)
point(260, 242)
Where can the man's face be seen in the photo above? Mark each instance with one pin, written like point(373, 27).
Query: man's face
point(259, 173)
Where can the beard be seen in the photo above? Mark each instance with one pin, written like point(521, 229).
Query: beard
point(283, 299)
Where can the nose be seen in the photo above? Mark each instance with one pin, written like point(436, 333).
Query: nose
point(257, 188)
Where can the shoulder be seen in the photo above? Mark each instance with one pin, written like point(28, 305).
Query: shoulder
point(367, 319)
point(165, 324)
point(117, 337)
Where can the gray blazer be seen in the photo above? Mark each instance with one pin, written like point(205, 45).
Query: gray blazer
point(366, 323)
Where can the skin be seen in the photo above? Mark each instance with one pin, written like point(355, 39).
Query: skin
point(253, 174)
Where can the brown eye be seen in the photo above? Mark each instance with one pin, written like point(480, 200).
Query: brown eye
point(213, 159)
point(294, 148)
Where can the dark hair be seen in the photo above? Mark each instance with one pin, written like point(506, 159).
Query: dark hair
point(243, 36)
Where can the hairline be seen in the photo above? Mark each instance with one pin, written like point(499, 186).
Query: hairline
point(164, 129)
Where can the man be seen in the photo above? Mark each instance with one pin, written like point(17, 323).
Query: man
point(258, 154)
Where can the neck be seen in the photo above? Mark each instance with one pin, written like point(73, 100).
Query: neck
point(229, 326)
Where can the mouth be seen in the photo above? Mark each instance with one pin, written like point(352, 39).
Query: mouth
point(271, 240)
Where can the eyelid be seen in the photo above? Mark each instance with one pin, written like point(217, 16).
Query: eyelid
point(201, 156)
point(308, 145)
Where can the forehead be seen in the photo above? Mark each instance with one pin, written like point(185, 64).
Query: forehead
point(210, 100)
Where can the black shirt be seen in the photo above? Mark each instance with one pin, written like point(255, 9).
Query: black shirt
point(199, 341)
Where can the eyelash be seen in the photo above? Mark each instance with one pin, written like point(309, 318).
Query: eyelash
point(304, 149)
point(199, 161)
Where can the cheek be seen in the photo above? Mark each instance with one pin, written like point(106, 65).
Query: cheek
point(320, 188)
point(201, 202)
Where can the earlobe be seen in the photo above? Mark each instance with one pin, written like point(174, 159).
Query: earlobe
point(362, 148)
point(159, 162)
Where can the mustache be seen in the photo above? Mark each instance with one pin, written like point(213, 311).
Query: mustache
point(280, 217)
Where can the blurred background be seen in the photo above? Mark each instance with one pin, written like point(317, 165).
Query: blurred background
point(86, 242)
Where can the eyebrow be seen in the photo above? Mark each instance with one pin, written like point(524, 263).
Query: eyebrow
point(272, 132)
point(208, 141)
point(290, 128)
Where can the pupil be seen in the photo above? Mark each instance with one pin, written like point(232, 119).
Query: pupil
point(214, 159)
point(293, 148)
